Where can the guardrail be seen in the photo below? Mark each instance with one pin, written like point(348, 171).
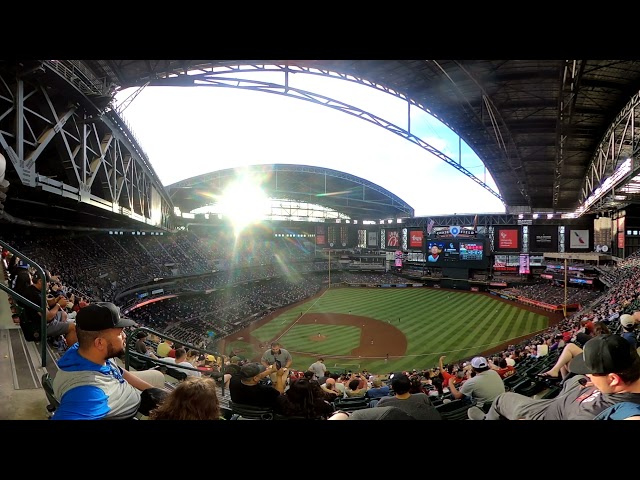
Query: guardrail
point(42, 308)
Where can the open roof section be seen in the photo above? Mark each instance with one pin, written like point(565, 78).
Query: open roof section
point(537, 125)
point(354, 196)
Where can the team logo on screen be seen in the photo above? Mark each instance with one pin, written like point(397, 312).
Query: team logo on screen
point(454, 230)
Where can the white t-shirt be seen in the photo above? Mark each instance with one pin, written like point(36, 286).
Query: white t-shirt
point(318, 368)
point(193, 373)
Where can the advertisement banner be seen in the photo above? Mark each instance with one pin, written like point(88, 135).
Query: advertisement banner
point(508, 239)
point(579, 239)
point(543, 238)
point(398, 258)
point(500, 260)
point(536, 260)
point(621, 232)
point(321, 235)
point(393, 238)
point(372, 239)
point(415, 239)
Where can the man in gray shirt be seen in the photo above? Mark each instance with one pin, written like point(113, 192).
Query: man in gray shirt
point(606, 372)
point(278, 355)
point(318, 368)
point(483, 388)
point(418, 405)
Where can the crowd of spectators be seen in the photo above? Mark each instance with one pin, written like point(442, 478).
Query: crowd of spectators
point(226, 301)
point(553, 295)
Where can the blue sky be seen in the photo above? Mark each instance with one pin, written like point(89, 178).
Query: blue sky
point(188, 131)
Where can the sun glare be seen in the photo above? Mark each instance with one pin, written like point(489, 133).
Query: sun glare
point(243, 203)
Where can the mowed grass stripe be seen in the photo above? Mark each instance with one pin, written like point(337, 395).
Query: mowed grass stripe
point(432, 320)
point(343, 338)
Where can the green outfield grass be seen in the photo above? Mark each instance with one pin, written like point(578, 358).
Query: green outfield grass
point(435, 322)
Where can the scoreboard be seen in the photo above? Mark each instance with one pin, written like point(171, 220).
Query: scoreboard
point(457, 253)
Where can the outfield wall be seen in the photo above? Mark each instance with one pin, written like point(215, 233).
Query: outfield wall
point(452, 283)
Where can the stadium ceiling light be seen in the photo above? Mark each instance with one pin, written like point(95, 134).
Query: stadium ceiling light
point(535, 215)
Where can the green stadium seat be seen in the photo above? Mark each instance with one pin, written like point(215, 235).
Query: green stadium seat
point(513, 380)
point(454, 410)
point(250, 412)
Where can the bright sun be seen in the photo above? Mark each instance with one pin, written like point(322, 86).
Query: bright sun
point(243, 203)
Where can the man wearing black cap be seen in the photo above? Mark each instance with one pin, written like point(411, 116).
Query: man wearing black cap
point(247, 389)
point(57, 323)
point(606, 372)
point(89, 384)
point(21, 278)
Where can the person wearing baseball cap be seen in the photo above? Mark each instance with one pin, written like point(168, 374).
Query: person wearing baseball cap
point(246, 388)
point(628, 323)
point(482, 388)
point(89, 383)
point(605, 373)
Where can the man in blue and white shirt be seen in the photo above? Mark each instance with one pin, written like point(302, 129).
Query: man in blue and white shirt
point(90, 385)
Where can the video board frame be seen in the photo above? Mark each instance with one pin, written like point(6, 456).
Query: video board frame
point(457, 253)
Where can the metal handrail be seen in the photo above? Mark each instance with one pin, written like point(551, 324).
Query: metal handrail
point(43, 299)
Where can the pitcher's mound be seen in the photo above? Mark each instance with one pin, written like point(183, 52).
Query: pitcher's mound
point(318, 338)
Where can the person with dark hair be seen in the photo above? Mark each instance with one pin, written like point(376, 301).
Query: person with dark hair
point(418, 405)
point(180, 360)
point(278, 356)
point(483, 387)
point(195, 398)
point(141, 345)
point(416, 384)
point(247, 388)
point(20, 278)
point(56, 317)
point(318, 368)
point(89, 383)
point(605, 373)
point(230, 369)
point(354, 388)
point(451, 371)
point(306, 399)
point(503, 368)
point(434, 255)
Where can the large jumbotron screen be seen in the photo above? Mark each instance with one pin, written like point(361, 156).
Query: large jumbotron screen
point(458, 253)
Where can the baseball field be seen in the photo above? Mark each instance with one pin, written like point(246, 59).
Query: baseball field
point(389, 329)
